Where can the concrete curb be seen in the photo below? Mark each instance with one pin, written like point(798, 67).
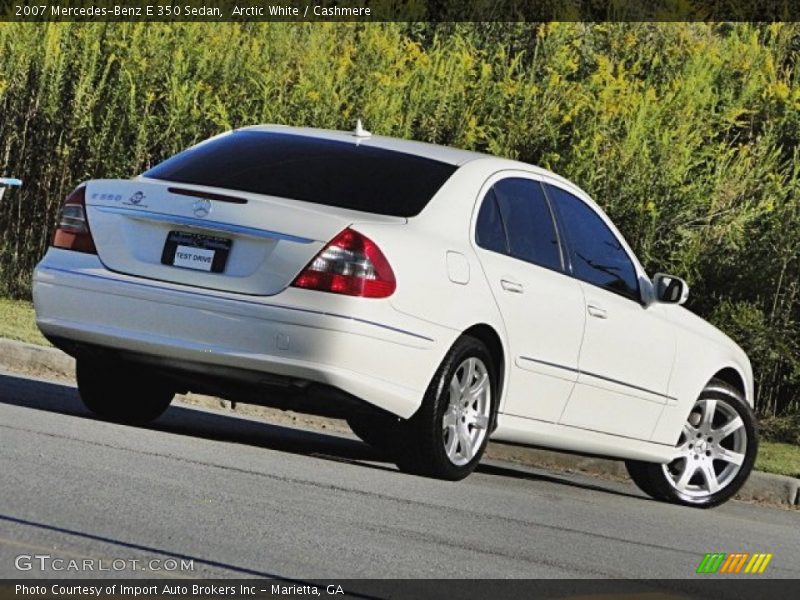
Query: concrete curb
point(760, 487)
point(30, 358)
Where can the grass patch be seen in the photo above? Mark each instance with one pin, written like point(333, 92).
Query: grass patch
point(18, 322)
point(775, 457)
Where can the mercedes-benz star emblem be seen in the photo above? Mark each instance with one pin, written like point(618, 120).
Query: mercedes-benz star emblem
point(201, 208)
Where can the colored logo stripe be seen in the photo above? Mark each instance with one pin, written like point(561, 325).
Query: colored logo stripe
point(711, 562)
point(720, 562)
point(734, 563)
point(758, 563)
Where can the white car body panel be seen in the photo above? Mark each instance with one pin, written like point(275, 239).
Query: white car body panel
point(625, 364)
point(619, 386)
point(130, 236)
point(545, 320)
point(532, 432)
point(299, 336)
point(544, 324)
point(700, 348)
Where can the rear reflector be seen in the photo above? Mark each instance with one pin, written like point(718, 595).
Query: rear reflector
point(352, 265)
point(72, 232)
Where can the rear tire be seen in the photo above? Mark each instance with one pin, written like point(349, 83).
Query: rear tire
point(715, 452)
point(447, 436)
point(121, 392)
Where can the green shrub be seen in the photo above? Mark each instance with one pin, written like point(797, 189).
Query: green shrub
point(686, 133)
point(785, 429)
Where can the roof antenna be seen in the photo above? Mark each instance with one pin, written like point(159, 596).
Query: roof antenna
point(360, 132)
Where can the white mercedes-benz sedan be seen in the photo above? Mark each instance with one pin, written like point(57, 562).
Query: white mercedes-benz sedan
point(431, 296)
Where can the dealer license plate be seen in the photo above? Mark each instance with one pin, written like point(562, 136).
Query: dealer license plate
point(196, 251)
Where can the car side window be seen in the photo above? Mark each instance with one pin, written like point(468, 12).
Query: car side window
point(596, 253)
point(526, 220)
point(490, 233)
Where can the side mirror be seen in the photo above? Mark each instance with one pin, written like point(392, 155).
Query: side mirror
point(670, 289)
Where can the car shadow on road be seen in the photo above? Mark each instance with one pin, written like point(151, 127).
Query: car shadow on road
point(520, 472)
point(199, 423)
point(59, 398)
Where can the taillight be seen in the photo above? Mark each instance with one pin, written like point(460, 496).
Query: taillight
point(72, 232)
point(350, 264)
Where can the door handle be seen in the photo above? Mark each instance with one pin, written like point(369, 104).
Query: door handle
point(511, 286)
point(596, 311)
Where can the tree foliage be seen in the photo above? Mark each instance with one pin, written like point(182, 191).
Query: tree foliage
point(686, 133)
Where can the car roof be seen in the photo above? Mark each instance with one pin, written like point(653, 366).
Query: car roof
point(453, 156)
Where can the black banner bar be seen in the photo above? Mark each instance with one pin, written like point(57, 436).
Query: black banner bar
point(397, 10)
point(704, 586)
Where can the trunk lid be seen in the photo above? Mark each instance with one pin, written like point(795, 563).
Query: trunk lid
point(210, 237)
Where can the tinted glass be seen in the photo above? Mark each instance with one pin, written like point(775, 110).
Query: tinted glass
point(326, 172)
point(490, 232)
point(596, 253)
point(528, 222)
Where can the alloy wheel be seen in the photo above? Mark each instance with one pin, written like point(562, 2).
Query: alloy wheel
point(710, 451)
point(466, 420)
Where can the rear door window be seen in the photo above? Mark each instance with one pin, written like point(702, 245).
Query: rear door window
point(520, 207)
point(490, 232)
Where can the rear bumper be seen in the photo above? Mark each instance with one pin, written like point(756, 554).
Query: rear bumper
point(361, 346)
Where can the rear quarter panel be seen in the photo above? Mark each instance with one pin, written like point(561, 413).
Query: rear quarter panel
point(439, 277)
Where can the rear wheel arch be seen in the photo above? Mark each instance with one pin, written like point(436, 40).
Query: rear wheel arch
point(447, 436)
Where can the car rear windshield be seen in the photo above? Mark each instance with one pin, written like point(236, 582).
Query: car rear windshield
point(333, 173)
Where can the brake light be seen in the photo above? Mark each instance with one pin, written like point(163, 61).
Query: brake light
point(350, 264)
point(72, 232)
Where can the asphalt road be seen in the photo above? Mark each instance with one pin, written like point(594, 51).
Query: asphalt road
point(241, 498)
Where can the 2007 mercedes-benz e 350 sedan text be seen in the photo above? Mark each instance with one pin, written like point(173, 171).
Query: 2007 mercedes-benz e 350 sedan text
point(431, 296)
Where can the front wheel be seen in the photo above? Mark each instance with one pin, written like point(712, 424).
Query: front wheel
point(121, 392)
point(714, 454)
point(448, 435)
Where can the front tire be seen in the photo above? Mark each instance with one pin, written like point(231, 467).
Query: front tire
point(121, 392)
point(714, 454)
point(447, 436)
